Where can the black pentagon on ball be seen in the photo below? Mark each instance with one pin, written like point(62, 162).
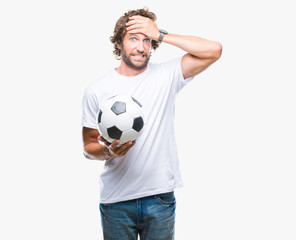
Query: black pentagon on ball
point(100, 116)
point(138, 124)
point(114, 132)
point(118, 107)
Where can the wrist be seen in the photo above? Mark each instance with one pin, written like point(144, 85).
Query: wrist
point(162, 33)
point(108, 153)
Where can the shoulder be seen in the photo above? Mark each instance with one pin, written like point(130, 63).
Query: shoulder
point(170, 63)
point(168, 68)
point(99, 82)
point(94, 88)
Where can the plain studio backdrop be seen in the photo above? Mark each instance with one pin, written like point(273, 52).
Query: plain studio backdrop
point(235, 123)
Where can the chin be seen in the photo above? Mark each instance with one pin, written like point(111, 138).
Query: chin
point(135, 65)
point(140, 67)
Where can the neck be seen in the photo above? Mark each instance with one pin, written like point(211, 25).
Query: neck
point(126, 70)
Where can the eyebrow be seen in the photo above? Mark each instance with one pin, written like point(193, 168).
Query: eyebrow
point(136, 35)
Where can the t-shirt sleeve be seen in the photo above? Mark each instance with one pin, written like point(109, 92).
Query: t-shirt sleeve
point(173, 69)
point(179, 80)
point(90, 108)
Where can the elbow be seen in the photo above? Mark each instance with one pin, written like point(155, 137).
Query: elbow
point(86, 155)
point(217, 51)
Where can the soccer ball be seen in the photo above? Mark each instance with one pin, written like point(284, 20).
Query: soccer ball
point(122, 118)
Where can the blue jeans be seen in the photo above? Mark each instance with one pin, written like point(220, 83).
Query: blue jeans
point(152, 218)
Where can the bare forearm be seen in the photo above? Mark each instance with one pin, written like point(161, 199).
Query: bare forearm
point(96, 151)
point(198, 47)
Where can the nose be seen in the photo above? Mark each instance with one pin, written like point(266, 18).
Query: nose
point(140, 46)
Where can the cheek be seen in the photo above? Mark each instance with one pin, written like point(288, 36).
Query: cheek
point(150, 49)
point(129, 45)
point(148, 46)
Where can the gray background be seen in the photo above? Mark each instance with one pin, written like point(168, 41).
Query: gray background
point(235, 123)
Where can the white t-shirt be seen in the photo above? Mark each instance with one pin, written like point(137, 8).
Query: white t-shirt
point(151, 166)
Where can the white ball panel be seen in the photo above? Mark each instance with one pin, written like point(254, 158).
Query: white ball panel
point(133, 109)
point(108, 118)
point(124, 121)
point(102, 130)
point(129, 135)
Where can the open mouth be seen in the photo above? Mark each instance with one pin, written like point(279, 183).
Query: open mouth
point(139, 56)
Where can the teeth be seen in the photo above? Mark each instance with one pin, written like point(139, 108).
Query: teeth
point(139, 56)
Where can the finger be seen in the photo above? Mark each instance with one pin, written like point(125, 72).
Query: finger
point(134, 26)
point(129, 147)
point(137, 30)
point(100, 138)
point(131, 22)
point(137, 17)
point(125, 148)
point(134, 21)
point(114, 145)
point(133, 143)
point(122, 148)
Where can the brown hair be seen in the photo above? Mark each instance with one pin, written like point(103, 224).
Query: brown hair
point(120, 29)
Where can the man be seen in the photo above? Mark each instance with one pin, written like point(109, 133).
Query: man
point(139, 178)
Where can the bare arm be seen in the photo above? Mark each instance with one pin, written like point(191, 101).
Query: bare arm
point(201, 53)
point(95, 151)
point(92, 148)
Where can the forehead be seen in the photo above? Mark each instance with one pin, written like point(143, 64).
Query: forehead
point(137, 35)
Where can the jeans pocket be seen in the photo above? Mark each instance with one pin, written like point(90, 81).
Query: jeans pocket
point(106, 204)
point(166, 198)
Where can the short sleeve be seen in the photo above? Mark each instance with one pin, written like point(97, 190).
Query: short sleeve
point(174, 69)
point(90, 108)
point(180, 81)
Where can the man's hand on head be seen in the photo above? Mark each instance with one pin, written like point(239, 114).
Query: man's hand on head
point(146, 26)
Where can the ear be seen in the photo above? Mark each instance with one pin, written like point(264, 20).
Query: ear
point(119, 46)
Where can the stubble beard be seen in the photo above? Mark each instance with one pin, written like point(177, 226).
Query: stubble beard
point(129, 62)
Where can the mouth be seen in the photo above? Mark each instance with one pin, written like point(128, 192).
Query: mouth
point(139, 57)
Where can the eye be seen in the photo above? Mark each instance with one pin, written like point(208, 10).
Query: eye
point(147, 40)
point(133, 39)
